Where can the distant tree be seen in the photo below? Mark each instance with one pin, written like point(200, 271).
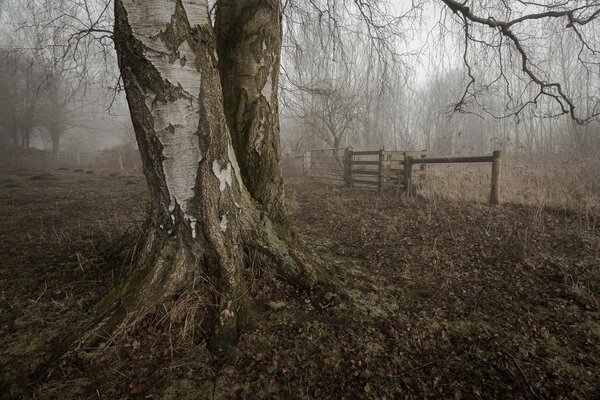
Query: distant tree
point(20, 82)
point(337, 72)
point(45, 84)
point(63, 104)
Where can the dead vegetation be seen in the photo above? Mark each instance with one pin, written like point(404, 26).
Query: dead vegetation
point(552, 181)
point(439, 297)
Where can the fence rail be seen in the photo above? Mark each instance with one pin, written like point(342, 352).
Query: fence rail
point(381, 169)
point(494, 159)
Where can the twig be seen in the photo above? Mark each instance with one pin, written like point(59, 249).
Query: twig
point(514, 360)
point(420, 367)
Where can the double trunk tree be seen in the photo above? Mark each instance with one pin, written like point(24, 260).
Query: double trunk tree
point(204, 109)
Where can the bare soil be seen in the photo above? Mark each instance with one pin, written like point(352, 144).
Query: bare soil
point(435, 299)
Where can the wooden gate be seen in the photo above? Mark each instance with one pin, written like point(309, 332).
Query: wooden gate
point(378, 169)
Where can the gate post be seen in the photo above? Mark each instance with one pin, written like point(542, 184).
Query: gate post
point(408, 184)
point(348, 166)
point(494, 193)
point(381, 171)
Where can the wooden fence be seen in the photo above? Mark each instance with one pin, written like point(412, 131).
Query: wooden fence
point(378, 169)
point(326, 164)
point(381, 169)
point(494, 159)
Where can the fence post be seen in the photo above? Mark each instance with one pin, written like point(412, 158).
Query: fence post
point(348, 166)
point(423, 166)
point(388, 168)
point(408, 166)
point(381, 171)
point(306, 165)
point(494, 195)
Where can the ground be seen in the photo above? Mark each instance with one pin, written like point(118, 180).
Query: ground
point(435, 299)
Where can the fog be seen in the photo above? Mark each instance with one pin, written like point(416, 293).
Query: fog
point(402, 77)
point(434, 90)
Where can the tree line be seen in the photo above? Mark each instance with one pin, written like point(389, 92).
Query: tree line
point(462, 89)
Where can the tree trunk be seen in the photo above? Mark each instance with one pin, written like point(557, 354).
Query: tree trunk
point(26, 137)
point(55, 137)
point(336, 145)
point(249, 49)
point(203, 221)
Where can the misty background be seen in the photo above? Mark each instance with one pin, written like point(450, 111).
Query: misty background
point(399, 77)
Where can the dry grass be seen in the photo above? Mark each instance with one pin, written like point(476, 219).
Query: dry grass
point(539, 182)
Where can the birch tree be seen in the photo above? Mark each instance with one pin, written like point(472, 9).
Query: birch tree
point(209, 139)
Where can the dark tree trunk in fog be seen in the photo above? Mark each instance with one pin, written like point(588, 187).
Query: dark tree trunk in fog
point(55, 138)
point(203, 222)
point(20, 137)
point(249, 47)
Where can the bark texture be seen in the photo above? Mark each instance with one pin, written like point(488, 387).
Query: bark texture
point(203, 221)
point(249, 47)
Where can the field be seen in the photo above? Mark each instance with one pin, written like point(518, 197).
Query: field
point(436, 297)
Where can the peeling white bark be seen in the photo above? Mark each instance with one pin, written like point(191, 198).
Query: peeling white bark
point(177, 68)
point(176, 125)
point(196, 11)
point(224, 222)
point(267, 90)
point(175, 122)
point(222, 174)
point(193, 225)
point(184, 72)
point(148, 18)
